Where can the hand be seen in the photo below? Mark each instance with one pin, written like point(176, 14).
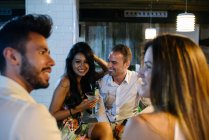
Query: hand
point(92, 103)
point(118, 130)
point(86, 104)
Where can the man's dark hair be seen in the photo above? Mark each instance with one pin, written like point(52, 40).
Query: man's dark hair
point(14, 33)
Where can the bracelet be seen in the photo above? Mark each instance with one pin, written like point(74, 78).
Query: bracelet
point(70, 112)
point(124, 122)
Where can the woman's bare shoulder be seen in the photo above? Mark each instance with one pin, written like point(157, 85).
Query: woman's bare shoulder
point(150, 126)
point(64, 82)
point(136, 128)
point(158, 116)
point(156, 119)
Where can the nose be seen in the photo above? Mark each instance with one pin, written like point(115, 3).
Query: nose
point(51, 61)
point(109, 65)
point(82, 64)
point(141, 72)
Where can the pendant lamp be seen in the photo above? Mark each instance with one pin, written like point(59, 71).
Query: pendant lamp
point(150, 33)
point(185, 22)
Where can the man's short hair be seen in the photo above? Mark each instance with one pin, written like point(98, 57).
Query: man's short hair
point(124, 50)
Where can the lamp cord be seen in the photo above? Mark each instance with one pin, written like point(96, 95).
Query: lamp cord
point(186, 6)
point(150, 14)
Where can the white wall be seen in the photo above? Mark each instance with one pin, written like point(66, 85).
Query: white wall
point(65, 33)
point(192, 35)
point(171, 28)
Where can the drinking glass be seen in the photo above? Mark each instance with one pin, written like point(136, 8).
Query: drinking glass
point(91, 96)
point(109, 101)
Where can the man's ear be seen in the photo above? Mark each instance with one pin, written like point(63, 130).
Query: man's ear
point(128, 64)
point(12, 56)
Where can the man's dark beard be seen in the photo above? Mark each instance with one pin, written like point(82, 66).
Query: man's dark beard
point(30, 75)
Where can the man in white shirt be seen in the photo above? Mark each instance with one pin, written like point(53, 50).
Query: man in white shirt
point(25, 65)
point(118, 89)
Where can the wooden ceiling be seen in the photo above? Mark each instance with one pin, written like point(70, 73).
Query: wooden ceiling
point(13, 4)
point(11, 8)
point(113, 10)
point(192, 5)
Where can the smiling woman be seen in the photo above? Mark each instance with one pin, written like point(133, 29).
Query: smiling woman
point(69, 102)
point(145, 74)
point(178, 85)
point(80, 65)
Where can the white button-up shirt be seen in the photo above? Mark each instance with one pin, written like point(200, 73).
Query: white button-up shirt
point(21, 117)
point(118, 102)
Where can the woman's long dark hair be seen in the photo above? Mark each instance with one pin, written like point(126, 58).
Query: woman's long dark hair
point(87, 82)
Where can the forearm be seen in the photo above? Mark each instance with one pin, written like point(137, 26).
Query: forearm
point(102, 63)
point(63, 114)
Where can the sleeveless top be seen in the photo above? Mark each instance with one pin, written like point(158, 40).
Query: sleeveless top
point(178, 135)
point(69, 102)
point(73, 126)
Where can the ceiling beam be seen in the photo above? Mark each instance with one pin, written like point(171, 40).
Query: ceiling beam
point(193, 5)
point(13, 4)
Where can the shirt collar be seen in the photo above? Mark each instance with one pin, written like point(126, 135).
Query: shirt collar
point(128, 77)
point(15, 90)
point(126, 80)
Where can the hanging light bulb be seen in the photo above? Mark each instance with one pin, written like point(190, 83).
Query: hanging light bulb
point(185, 22)
point(150, 32)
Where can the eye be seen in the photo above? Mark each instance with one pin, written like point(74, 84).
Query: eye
point(148, 67)
point(42, 52)
point(77, 61)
